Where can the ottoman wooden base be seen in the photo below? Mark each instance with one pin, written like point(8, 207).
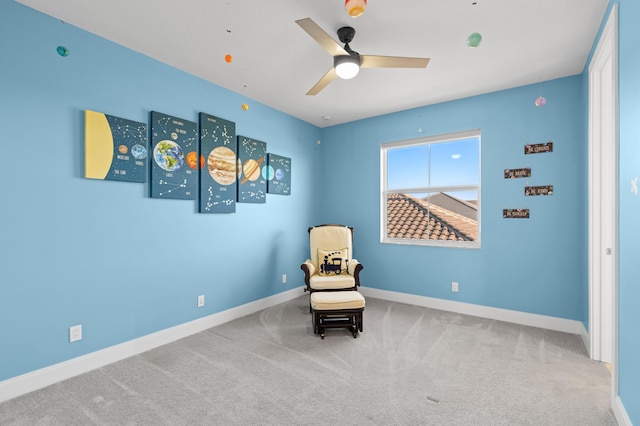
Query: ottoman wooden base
point(337, 309)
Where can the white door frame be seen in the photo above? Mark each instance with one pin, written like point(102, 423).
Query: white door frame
point(603, 198)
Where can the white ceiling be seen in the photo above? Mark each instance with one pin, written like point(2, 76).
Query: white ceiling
point(275, 62)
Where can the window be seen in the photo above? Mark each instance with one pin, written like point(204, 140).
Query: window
point(431, 190)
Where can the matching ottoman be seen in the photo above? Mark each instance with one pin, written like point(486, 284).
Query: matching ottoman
point(337, 309)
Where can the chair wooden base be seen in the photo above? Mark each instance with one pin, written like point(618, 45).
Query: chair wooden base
point(339, 318)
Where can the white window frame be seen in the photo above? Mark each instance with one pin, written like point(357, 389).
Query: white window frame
point(384, 147)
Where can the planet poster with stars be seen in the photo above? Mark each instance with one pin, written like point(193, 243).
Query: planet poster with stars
point(252, 184)
point(114, 148)
point(218, 165)
point(174, 153)
point(278, 174)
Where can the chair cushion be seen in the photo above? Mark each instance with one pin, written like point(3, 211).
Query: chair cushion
point(329, 237)
point(330, 282)
point(333, 262)
point(336, 300)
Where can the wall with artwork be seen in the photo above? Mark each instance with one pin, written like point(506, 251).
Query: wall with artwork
point(98, 249)
point(108, 237)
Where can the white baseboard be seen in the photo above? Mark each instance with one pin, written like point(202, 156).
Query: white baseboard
point(586, 339)
point(524, 318)
point(620, 413)
point(38, 379)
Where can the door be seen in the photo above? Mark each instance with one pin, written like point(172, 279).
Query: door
point(603, 190)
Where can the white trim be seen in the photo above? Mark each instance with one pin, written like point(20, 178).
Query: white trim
point(523, 318)
point(586, 338)
point(605, 303)
point(38, 379)
point(603, 190)
point(620, 413)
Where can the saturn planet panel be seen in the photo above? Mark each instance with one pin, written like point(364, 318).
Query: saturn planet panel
point(114, 148)
point(218, 165)
point(252, 184)
point(174, 149)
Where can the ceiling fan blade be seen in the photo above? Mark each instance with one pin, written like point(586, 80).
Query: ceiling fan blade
point(319, 35)
point(323, 82)
point(372, 61)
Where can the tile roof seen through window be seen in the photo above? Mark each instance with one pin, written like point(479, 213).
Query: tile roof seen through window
point(456, 205)
point(423, 219)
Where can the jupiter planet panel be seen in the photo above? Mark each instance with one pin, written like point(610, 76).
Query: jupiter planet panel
point(218, 178)
point(222, 165)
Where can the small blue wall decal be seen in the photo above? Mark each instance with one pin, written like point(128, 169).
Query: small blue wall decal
point(62, 51)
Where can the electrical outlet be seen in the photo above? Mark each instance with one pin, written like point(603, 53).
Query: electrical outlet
point(454, 287)
point(75, 333)
point(201, 301)
point(284, 278)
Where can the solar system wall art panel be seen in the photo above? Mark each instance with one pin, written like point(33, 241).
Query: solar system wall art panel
point(174, 145)
point(252, 185)
point(278, 174)
point(114, 148)
point(218, 180)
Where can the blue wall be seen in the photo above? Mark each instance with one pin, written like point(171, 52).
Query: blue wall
point(535, 265)
point(104, 254)
point(629, 204)
point(107, 256)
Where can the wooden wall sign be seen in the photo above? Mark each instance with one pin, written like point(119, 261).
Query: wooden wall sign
point(538, 148)
point(538, 190)
point(517, 173)
point(515, 213)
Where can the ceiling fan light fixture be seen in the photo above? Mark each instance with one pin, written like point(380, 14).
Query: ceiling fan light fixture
point(355, 8)
point(346, 66)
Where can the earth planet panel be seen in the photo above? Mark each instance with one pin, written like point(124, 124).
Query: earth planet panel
point(168, 155)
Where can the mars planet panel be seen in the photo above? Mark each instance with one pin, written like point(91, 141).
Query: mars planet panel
point(192, 160)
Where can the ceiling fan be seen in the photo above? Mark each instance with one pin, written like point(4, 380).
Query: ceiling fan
point(347, 62)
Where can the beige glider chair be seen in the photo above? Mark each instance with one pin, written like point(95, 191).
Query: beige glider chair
point(331, 265)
